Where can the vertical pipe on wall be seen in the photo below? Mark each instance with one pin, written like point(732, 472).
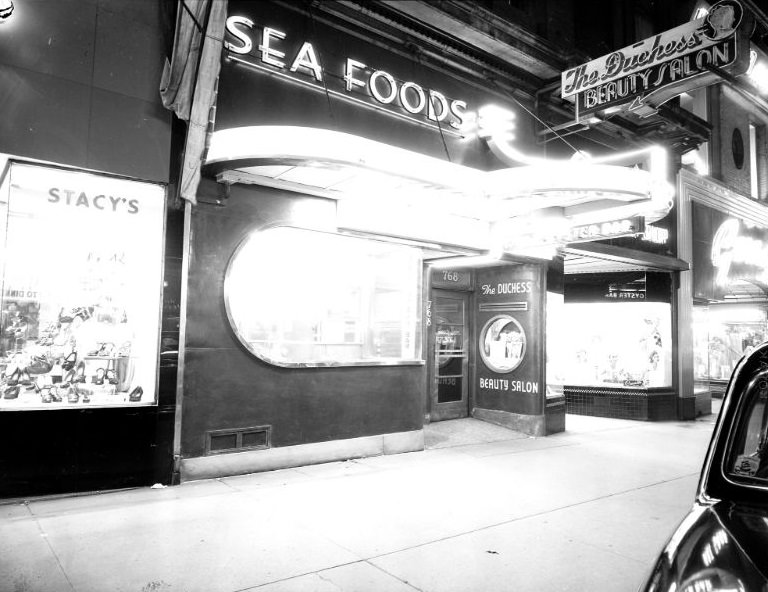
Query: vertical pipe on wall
point(684, 325)
point(186, 254)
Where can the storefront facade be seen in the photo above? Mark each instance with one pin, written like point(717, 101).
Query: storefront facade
point(621, 309)
point(728, 280)
point(361, 260)
point(89, 276)
point(639, 362)
point(311, 314)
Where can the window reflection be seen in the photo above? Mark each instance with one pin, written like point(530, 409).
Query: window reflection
point(299, 297)
point(749, 457)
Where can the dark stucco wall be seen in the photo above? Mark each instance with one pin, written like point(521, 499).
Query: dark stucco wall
point(79, 85)
point(225, 387)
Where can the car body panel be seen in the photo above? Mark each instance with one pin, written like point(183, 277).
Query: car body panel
point(722, 544)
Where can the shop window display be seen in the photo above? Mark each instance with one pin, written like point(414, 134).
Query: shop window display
point(619, 344)
point(723, 334)
point(305, 298)
point(82, 264)
point(557, 346)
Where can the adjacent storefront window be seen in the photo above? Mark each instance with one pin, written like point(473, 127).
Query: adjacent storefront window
point(619, 344)
point(81, 292)
point(723, 334)
point(304, 298)
point(557, 344)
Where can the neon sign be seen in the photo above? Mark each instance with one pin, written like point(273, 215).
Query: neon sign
point(729, 247)
point(647, 74)
point(377, 84)
point(612, 229)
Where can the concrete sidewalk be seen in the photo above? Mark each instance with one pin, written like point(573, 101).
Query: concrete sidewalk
point(481, 510)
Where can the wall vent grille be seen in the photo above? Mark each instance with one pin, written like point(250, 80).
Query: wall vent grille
point(237, 440)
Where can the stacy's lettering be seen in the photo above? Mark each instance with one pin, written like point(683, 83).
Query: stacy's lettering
point(100, 202)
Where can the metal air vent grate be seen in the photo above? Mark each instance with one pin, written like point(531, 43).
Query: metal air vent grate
point(237, 440)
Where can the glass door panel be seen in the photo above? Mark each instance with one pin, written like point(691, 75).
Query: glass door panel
point(451, 357)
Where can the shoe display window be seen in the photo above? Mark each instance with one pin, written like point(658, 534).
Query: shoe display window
point(82, 258)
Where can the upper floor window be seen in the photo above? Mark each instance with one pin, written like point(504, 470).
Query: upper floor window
point(696, 103)
point(758, 162)
point(305, 298)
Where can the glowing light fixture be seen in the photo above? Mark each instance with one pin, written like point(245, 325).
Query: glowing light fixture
point(758, 72)
point(383, 189)
point(294, 145)
point(6, 10)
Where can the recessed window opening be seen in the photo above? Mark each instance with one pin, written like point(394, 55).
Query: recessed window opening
point(696, 102)
point(304, 298)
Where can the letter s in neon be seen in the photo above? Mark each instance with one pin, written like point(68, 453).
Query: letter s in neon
point(232, 27)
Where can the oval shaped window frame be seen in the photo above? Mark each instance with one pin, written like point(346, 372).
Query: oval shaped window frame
point(241, 244)
point(500, 322)
point(737, 148)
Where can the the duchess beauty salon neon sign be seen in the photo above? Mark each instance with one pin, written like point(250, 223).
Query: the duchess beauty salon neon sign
point(382, 86)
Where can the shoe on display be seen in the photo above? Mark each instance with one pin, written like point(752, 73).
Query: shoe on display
point(79, 372)
point(83, 312)
point(85, 393)
point(40, 365)
point(11, 392)
point(25, 378)
point(69, 362)
point(136, 394)
point(111, 376)
point(14, 377)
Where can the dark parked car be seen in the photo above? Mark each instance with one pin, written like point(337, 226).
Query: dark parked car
point(722, 544)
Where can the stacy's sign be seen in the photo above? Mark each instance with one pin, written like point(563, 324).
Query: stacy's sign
point(270, 48)
point(646, 74)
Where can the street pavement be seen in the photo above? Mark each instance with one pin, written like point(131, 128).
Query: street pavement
point(483, 509)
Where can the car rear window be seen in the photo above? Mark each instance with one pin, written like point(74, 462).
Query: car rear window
point(748, 458)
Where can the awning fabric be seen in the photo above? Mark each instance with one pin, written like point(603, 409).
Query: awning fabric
point(188, 85)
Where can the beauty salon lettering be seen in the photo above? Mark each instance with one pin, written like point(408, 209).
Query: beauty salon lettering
point(275, 50)
point(512, 386)
point(658, 68)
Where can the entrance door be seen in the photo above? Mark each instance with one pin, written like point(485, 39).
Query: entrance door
point(450, 359)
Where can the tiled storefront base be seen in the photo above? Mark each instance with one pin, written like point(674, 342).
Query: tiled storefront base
point(703, 403)
point(642, 404)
